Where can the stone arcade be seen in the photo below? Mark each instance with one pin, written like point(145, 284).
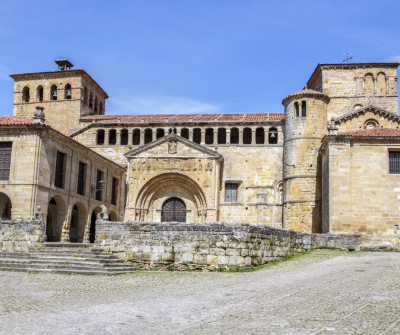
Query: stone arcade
point(329, 164)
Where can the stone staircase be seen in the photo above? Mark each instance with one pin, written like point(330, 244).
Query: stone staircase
point(69, 258)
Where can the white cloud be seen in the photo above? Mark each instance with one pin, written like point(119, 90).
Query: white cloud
point(161, 105)
point(395, 59)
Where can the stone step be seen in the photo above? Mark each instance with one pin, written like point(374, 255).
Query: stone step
point(67, 245)
point(56, 262)
point(103, 257)
point(65, 267)
point(67, 271)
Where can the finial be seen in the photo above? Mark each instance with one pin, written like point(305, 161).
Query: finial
point(347, 54)
point(38, 115)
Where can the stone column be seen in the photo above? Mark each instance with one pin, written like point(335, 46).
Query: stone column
point(228, 136)
point(107, 136)
point(253, 136)
point(130, 136)
point(266, 133)
point(178, 131)
point(118, 134)
point(215, 138)
point(241, 136)
point(141, 137)
point(203, 137)
point(191, 134)
point(374, 86)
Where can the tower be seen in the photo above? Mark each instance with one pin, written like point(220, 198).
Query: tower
point(305, 126)
point(66, 94)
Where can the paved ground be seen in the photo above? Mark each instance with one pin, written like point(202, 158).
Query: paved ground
point(326, 292)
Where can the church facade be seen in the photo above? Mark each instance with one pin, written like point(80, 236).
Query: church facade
point(329, 163)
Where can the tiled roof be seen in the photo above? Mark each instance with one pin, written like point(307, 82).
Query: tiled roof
point(222, 117)
point(10, 120)
point(375, 132)
point(309, 92)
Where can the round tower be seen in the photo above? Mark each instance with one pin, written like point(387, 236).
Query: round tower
point(305, 126)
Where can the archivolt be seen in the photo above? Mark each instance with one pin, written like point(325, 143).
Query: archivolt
point(159, 183)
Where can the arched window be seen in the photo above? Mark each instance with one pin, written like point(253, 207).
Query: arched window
point(148, 135)
point(85, 96)
point(136, 137)
point(371, 124)
point(124, 136)
point(234, 136)
point(209, 136)
point(296, 109)
point(369, 85)
point(68, 91)
point(160, 133)
point(100, 137)
point(303, 109)
point(246, 136)
point(260, 136)
point(272, 136)
point(185, 133)
point(91, 100)
point(95, 105)
point(279, 193)
point(221, 136)
point(53, 92)
point(197, 135)
point(112, 140)
point(25, 94)
point(381, 84)
point(101, 108)
point(39, 93)
point(172, 130)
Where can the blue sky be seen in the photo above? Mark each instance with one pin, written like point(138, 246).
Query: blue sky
point(177, 56)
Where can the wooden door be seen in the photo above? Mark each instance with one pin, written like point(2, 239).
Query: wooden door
point(173, 210)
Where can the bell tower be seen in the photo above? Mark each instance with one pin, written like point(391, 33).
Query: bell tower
point(66, 94)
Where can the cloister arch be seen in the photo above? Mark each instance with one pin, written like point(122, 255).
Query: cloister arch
point(77, 223)
point(56, 213)
point(157, 190)
point(5, 206)
point(92, 228)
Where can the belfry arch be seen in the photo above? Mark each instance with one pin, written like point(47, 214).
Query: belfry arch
point(153, 195)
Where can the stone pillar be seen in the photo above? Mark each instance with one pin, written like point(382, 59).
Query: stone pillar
point(107, 136)
point(203, 137)
point(253, 136)
point(191, 134)
point(118, 134)
point(228, 136)
point(266, 137)
point(215, 138)
point(141, 137)
point(241, 136)
point(130, 136)
point(178, 131)
point(374, 86)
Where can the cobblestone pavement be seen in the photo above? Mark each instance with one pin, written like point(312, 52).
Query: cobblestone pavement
point(325, 292)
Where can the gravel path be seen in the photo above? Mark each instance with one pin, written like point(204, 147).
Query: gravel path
point(325, 292)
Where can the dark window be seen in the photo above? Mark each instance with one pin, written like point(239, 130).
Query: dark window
point(136, 137)
point(197, 135)
point(59, 177)
point(124, 136)
point(81, 178)
point(113, 137)
point(68, 91)
point(394, 161)
point(148, 136)
point(53, 92)
point(95, 105)
point(99, 190)
point(25, 94)
point(231, 192)
point(209, 136)
point(101, 108)
point(5, 160)
point(303, 109)
point(185, 133)
point(260, 136)
point(85, 96)
point(272, 136)
point(160, 133)
point(39, 93)
point(114, 191)
point(247, 136)
point(297, 109)
point(91, 100)
point(234, 136)
point(221, 136)
point(100, 137)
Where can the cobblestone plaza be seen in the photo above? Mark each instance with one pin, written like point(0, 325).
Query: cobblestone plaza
point(323, 292)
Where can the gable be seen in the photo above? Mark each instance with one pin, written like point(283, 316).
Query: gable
point(172, 146)
point(367, 117)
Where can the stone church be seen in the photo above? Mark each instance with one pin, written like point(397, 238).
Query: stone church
point(329, 163)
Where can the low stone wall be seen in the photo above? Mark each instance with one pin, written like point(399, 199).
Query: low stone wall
point(19, 235)
point(210, 246)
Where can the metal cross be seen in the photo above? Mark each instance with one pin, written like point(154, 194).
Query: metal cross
point(347, 54)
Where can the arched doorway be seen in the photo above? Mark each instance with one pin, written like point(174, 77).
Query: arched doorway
point(173, 210)
point(55, 219)
point(92, 230)
point(74, 226)
point(5, 207)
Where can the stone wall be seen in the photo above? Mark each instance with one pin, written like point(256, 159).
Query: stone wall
point(19, 235)
point(209, 246)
